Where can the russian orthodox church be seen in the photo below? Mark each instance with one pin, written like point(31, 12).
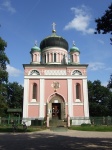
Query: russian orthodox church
point(55, 83)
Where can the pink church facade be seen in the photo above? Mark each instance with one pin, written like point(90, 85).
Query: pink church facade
point(55, 83)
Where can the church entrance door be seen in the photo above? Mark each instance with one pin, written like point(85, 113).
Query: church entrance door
point(56, 110)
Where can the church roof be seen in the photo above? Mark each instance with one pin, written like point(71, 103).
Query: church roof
point(54, 41)
point(35, 48)
point(74, 48)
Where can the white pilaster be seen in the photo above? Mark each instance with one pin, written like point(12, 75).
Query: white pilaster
point(78, 59)
point(56, 57)
point(70, 106)
point(85, 94)
point(53, 56)
point(60, 57)
point(39, 57)
point(25, 99)
point(33, 57)
point(41, 110)
point(46, 58)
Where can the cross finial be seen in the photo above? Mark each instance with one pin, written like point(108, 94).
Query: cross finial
point(73, 43)
point(35, 42)
point(53, 25)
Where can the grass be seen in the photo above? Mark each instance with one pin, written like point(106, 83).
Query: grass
point(20, 129)
point(99, 128)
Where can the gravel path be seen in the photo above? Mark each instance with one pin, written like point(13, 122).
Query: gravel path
point(49, 140)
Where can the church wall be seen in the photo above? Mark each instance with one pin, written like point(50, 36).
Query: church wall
point(78, 111)
point(62, 90)
point(71, 69)
point(31, 82)
point(49, 53)
point(74, 82)
point(33, 111)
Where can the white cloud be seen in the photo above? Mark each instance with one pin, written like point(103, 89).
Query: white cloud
point(96, 66)
point(13, 71)
point(101, 41)
point(109, 69)
point(80, 21)
point(6, 5)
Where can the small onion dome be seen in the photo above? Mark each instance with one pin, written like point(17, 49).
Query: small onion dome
point(54, 41)
point(74, 48)
point(35, 49)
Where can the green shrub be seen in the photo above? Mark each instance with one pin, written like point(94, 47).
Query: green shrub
point(85, 124)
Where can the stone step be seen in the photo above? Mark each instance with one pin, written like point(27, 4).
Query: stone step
point(58, 123)
point(59, 129)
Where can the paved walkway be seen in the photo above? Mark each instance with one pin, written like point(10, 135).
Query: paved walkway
point(49, 140)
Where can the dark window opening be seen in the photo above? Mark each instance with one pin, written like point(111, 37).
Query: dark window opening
point(34, 91)
point(77, 91)
point(54, 57)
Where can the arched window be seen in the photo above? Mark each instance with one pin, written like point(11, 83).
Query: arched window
point(34, 72)
point(76, 72)
point(78, 91)
point(54, 57)
point(34, 94)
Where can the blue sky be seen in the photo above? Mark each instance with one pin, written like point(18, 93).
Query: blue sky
point(24, 21)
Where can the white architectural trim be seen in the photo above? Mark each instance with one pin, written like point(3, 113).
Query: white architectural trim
point(30, 71)
point(77, 100)
point(30, 104)
point(85, 93)
point(78, 104)
point(54, 63)
point(55, 72)
point(25, 100)
point(36, 104)
point(33, 100)
point(41, 110)
point(70, 106)
point(55, 77)
point(54, 49)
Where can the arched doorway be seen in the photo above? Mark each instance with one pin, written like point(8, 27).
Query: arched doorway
point(56, 110)
point(56, 107)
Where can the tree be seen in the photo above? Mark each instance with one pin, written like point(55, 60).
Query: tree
point(100, 99)
point(3, 61)
point(3, 76)
point(110, 82)
point(14, 95)
point(104, 24)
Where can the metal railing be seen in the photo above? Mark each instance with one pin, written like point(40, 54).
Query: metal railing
point(36, 122)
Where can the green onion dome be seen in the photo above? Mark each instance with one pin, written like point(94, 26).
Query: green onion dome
point(35, 48)
point(74, 48)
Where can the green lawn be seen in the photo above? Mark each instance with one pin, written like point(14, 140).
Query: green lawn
point(20, 129)
point(99, 128)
